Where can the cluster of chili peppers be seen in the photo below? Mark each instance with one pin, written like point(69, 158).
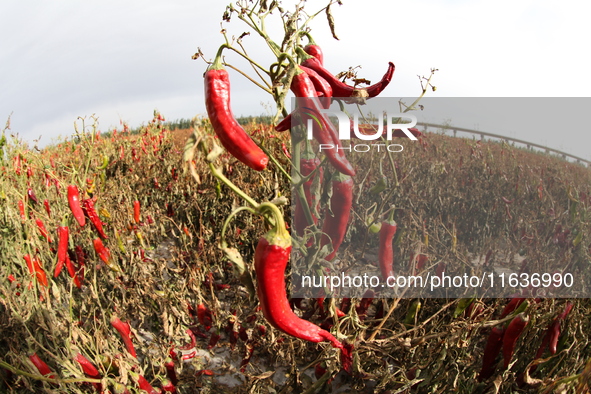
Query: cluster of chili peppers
point(315, 86)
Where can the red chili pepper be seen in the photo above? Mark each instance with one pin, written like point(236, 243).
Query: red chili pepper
point(491, 351)
point(80, 259)
point(34, 266)
point(143, 383)
point(21, 209)
point(42, 230)
point(72, 272)
point(554, 329)
point(316, 51)
point(213, 340)
point(41, 366)
point(136, 212)
point(341, 89)
point(323, 88)
point(47, 209)
point(204, 316)
point(125, 331)
point(32, 196)
point(89, 370)
point(341, 201)
point(102, 251)
point(324, 132)
point(170, 370)
point(90, 211)
point(270, 260)
point(386, 250)
point(511, 306)
point(230, 133)
point(74, 202)
point(63, 234)
point(512, 334)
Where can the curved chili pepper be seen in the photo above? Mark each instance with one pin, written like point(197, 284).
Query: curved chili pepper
point(553, 332)
point(32, 196)
point(47, 209)
point(491, 351)
point(124, 331)
point(88, 207)
point(72, 272)
point(36, 269)
point(143, 383)
point(74, 203)
point(511, 306)
point(63, 234)
point(101, 250)
point(41, 366)
point(512, 334)
point(270, 260)
point(341, 89)
point(42, 230)
point(341, 201)
point(323, 88)
point(325, 132)
point(386, 250)
point(89, 370)
point(231, 134)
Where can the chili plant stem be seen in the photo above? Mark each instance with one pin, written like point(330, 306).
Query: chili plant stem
point(218, 174)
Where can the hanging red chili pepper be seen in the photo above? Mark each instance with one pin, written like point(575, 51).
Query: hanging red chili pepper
point(553, 332)
point(491, 351)
point(89, 370)
point(102, 251)
point(42, 230)
point(323, 130)
point(231, 134)
point(512, 334)
point(21, 209)
point(341, 201)
point(386, 250)
point(63, 234)
point(136, 212)
point(72, 272)
point(32, 196)
point(271, 257)
point(74, 203)
point(204, 316)
point(35, 268)
point(341, 89)
point(511, 306)
point(323, 88)
point(47, 209)
point(90, 211)
point(314, 50)
point(80, 261)
point(124, 331)
point(41, 366)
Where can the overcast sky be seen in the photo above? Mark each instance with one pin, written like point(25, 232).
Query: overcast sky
point(121, 59)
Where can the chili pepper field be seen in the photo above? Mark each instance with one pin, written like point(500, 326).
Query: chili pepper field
point(194, 324)
point(173, 257)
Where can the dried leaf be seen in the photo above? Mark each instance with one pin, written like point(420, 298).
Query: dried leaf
point(331, 22)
